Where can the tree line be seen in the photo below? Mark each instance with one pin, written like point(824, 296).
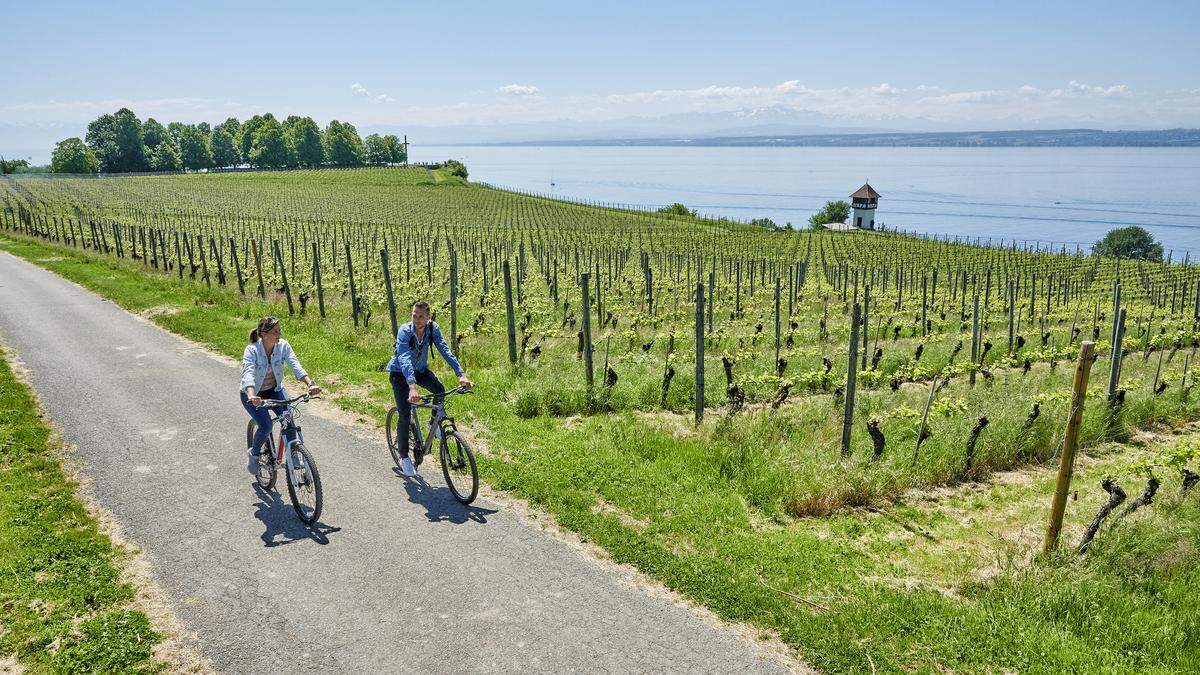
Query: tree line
point(121, 143)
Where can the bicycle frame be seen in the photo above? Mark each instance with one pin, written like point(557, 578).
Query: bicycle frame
point(287, 423)
point(435, 422)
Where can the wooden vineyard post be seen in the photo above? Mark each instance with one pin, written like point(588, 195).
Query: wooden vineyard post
point(287, 290)
point(216, 253)
point(262, 289)
point(924, 301)
point(851, 380)
point(1114, 371)
point(866, 322)
point(512, 324)
point(1012, 310)
point(317, 279)
point(777, 320)
point(712, 279)
point(975, 365)
point(699, 352)
point(387, 285)
point(353, 290)
point(1066, 466)
point(237, 266)
point(587, 332)
point(925, 418)
point(454, 299)
point(204, 266)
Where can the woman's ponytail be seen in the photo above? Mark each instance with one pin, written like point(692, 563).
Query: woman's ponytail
point(265, 325)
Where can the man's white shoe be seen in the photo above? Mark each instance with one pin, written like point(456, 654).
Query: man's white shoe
point(407, 467)
point(252, 462)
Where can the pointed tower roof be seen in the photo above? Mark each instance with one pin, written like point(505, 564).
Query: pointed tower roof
point(865, 192)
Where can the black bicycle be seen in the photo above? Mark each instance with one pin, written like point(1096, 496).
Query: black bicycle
point(289, 451)
point(458, 462)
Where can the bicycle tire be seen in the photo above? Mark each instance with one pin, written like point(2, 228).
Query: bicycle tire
point(267, 469)
point(464, 484)
point(393, 434)
point(300, 455)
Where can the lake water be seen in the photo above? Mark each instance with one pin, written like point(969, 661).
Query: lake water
point(1067, 195)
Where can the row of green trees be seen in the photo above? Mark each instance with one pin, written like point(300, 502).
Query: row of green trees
point(121, 143)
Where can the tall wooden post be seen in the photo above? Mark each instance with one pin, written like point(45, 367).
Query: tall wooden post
point(1066, 466)
point(387, 285)
point(282, 275)
point(353, 290)
point(317, 277)
point(699, 405)
point(584, 284)
point(851, 380)
point(512, 325)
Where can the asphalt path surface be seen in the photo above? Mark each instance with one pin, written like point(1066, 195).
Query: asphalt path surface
point(396, 576)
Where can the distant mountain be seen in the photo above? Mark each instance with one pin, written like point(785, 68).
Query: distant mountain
point(772, 120)
point(965, 139)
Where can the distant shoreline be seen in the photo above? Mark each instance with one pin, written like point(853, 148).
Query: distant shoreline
point(1056, 138)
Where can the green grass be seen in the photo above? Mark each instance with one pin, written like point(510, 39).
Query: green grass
point(712, 512)
point(63, 606)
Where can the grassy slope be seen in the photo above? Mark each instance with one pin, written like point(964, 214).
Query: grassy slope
point(679, 505)
point(63, 607)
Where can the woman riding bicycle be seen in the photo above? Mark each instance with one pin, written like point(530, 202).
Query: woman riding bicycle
point(410, 367)
point(262, 378)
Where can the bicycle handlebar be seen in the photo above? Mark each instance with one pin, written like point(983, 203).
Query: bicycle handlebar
point(275, 403)
point(431, 398)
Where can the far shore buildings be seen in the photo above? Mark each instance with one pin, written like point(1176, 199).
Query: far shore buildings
point(863, 201)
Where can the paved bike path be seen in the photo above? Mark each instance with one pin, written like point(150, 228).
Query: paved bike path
point(399, 576)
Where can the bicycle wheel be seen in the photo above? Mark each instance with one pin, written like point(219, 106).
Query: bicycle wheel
point(393, 434)
point(458, 467)
point(304, 485)
point(266, 459)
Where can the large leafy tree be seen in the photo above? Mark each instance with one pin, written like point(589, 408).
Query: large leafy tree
point(193, 148)
point(101, 138)
point(343, 145)
point(245, 136)
point(395, 149)
point(224, 152)
point(166, 157)
point(269, 148)
point(377, 150)
point(117, 142)
point(834, 212)
point(1129, 242)
point(304, 136)
point(153, 133)
point(8, 166)
point(72, 156)
point(231, 126)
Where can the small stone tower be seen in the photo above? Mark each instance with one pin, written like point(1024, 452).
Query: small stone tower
point(865, 200)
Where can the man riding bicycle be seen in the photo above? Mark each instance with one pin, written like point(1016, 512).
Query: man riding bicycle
point(409, 367)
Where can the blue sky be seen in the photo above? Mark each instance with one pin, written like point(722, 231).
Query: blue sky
point(943, 64)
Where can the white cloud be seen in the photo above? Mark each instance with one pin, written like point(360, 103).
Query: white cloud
point(884, 89)
point(984, 96)
point(1029, 90)
point(519, 90)
point(1077, 87)
point(360, 90)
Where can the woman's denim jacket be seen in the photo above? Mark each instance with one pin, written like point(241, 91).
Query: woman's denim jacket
point(254, 364)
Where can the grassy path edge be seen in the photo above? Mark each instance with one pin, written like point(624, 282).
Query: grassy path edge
point(160, 641)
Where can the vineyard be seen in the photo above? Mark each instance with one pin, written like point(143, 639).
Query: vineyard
point(655, 372)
